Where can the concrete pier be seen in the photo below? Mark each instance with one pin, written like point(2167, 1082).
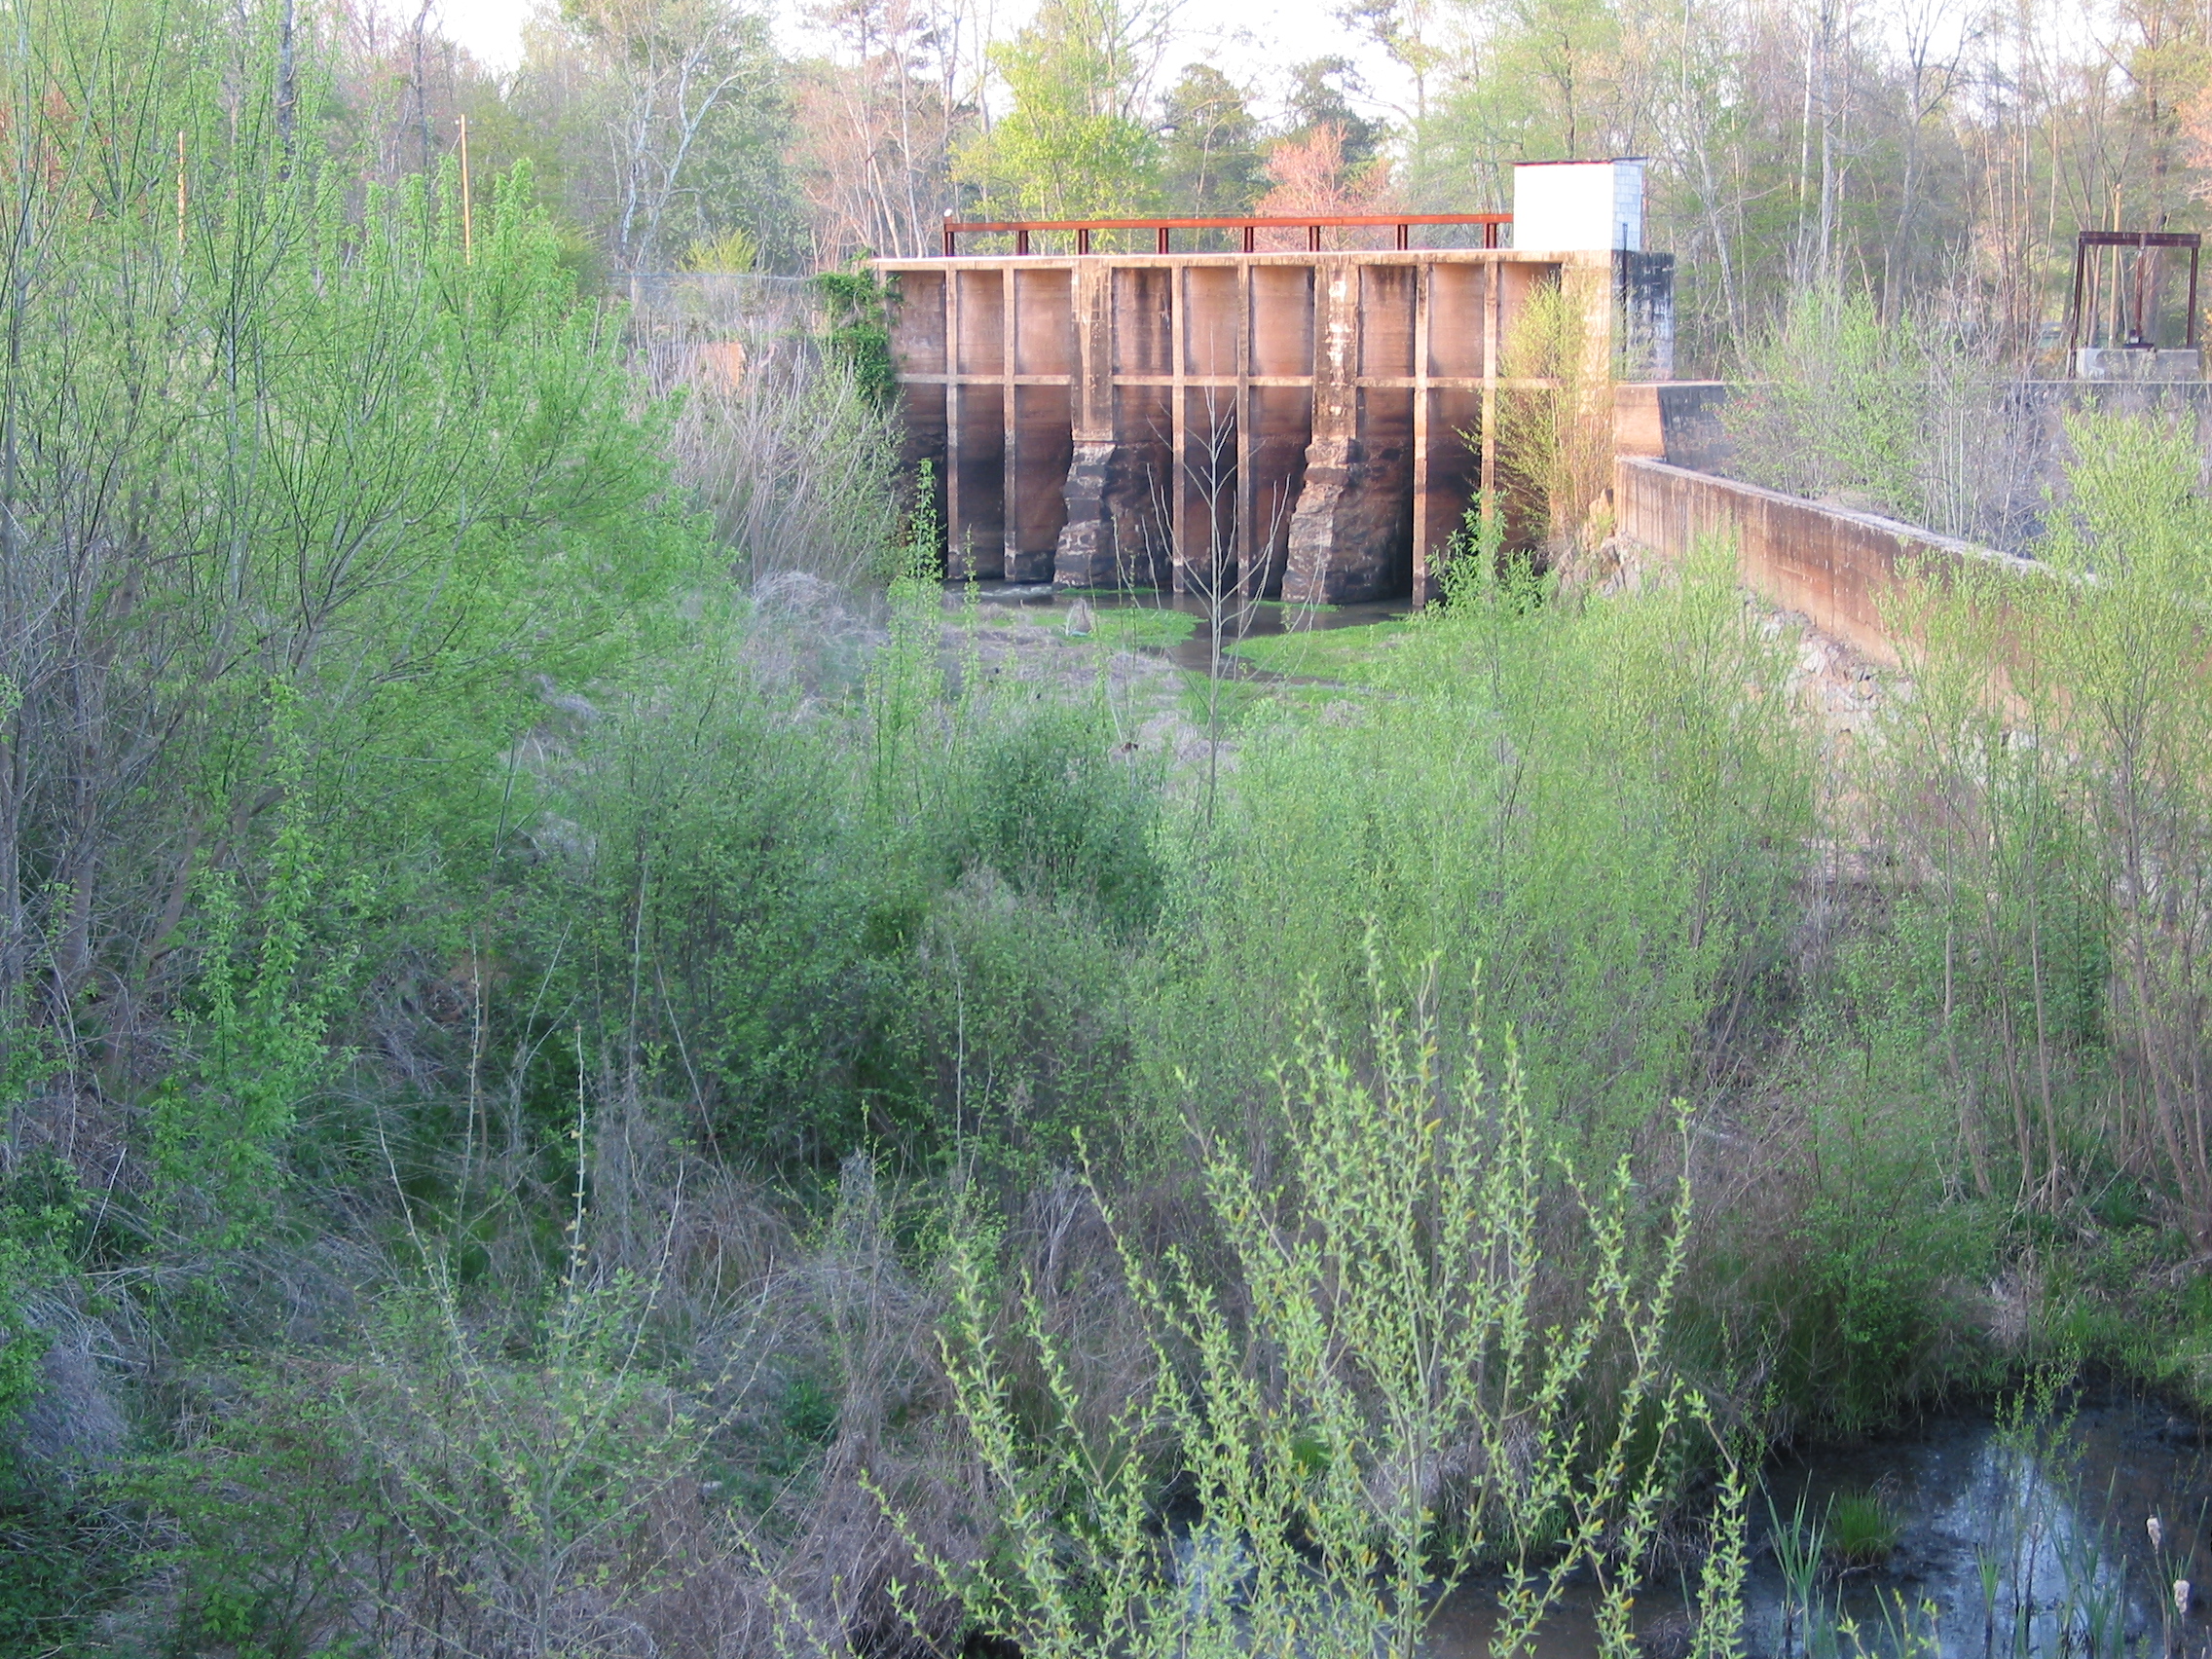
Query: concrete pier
point(1310, 426)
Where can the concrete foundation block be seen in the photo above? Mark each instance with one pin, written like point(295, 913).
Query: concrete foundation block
point(1112, 537)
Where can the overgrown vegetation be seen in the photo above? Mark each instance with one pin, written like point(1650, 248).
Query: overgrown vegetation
point(590, 1071)
point(1918, 418)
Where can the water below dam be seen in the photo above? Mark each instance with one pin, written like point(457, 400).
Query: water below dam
point(1242, 619)
point(2011, 1540)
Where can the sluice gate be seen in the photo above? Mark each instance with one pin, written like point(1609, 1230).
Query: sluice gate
point(1306, 424)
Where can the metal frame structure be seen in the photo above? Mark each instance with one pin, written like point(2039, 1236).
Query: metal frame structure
point(2142, 242)
point(1313, 224)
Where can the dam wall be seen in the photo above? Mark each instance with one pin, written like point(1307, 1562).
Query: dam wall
point(1310, 424)
point(1840, 569)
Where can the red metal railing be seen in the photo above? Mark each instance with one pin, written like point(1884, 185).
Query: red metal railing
point(1312, 224)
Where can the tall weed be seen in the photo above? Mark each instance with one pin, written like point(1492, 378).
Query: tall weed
point(1396, 1378)
point(1555, 425)
point(1911, 416)
point(2052, 770)
point(793, 461)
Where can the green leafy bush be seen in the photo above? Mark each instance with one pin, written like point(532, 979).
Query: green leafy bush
point(1603, 806)
point(1394, 1374)
point(1055, 813)
point(860, 330)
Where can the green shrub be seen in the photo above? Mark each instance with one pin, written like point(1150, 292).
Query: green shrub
point(860, 330)
point(67, 1562)
point(1603, 808)
point(2047, 774)
point(42, 1227)
point(266, 1512)
point(1362, 1399)
point(1052, 811)
point(897, 922)
point(1021, 1005)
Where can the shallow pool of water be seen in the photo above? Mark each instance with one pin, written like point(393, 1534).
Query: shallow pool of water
point(1240, 621)
point(2009, 1542)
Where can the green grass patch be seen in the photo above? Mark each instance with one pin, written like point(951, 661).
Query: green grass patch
point(1143, 627)
point(1862, 1529)
point(1358, 655)
point(1241, 698)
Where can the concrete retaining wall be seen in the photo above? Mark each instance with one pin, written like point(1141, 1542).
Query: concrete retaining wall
point(1838, 568)
point(1673, 421)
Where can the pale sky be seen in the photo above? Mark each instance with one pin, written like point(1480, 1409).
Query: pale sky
point(1247, 39)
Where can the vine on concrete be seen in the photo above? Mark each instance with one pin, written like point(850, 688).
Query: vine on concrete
point(859, 304)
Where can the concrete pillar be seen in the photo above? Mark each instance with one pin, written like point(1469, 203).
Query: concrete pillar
point(1086, 554)
point(1116, 498)
point(1351, 535)
point(1643, 297)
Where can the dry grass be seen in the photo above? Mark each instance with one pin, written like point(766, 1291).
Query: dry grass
point(794, 466)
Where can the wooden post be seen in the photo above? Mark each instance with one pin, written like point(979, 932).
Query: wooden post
point(467, 214)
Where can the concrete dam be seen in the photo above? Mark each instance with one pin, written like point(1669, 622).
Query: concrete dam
point(1303, 423)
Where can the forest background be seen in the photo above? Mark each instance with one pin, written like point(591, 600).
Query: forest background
point(1935, 154)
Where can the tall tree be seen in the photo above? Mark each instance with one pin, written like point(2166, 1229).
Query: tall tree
point(1075, 140)
point(671, 117)
point(1405, 30)
point(1308, 174)
point(879, 121)
point(1320, 94)
point(301, 483)
point(1210, 158)
point(2167, 52)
